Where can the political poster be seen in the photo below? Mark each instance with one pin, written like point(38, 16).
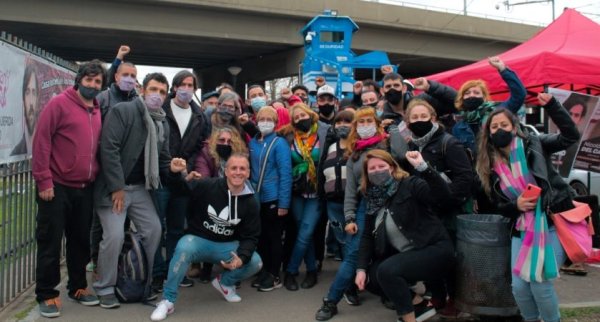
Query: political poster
point(27, 83)
point(582, 109)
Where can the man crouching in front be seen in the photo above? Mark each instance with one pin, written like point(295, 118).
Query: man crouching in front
point(223, 228)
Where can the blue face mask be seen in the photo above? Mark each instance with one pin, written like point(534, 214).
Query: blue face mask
point(379, 114)
point(257, 103)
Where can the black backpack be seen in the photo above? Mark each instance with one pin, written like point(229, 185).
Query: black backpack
point(132, 271)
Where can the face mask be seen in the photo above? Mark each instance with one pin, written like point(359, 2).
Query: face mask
point(153, 101)
point(342, 131)
point(380, 178)
point(366, 131)
point(501, 138)
point(379, 113)
point(226, 116)
point(326, 109)
point(209, 109)
point(184, 95)
point(393, 96)
point(266, 127)
point(420, 128)
point(126, 83)
point(257, 103)
point(373, 105)
point(471, 103)
point(88, 92)
point(224, 151)
point(303, 125)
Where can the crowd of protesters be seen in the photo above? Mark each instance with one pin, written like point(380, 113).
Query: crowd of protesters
point(234, 188)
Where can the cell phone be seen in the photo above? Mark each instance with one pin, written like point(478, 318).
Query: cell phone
point(532, 191)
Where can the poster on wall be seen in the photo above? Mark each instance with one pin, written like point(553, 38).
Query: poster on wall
point(582, 109)
point(27, 83)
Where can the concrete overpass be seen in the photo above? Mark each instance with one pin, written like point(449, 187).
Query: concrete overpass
point(261, 36)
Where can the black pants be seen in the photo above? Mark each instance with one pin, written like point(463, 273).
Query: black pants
point(392, 276)
point(444, 288)
point(270, 246)
point(70, 211)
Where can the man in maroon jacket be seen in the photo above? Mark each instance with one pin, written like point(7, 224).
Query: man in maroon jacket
point(64, 167)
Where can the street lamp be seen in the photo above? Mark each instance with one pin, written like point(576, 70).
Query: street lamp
point(234, 71)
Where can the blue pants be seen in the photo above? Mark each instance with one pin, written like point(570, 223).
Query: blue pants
point(537, 300)
point(345, 274)
point(306, 213)
point(194, 249)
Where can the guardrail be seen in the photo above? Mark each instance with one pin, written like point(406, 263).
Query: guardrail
point(456, 11)
point(17, 230)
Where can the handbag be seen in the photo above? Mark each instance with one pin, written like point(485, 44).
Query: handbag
point(575, 231)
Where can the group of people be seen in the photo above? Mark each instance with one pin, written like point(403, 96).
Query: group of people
point(259, 187)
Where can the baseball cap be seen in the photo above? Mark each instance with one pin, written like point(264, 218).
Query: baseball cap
point(326, 90)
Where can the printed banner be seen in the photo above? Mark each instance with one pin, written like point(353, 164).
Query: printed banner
point(27, 83)
point(584, 113)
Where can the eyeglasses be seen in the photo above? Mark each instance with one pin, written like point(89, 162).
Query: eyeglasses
point(225, 107)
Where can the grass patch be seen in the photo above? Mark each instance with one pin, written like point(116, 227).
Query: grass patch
point(578, 313)
point(25, 312)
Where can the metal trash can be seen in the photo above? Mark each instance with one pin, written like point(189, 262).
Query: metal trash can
point(483, 266)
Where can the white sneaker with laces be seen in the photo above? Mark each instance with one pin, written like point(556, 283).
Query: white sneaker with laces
point(228, 292)
point(163, 308)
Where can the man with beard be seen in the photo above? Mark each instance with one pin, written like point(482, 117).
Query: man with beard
point(31, 109)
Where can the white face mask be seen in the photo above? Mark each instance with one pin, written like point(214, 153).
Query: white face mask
point(266, 127)
point(366, 131)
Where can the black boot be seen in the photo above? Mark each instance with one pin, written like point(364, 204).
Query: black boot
point(290, 282)
point(327, 311)
point(310, 280)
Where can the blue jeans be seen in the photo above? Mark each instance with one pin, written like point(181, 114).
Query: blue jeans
point(194, 249)
point(306, 213)
point(345, 274)
point(172, 210)
point(537, 300)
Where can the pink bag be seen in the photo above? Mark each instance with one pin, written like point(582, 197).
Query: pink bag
point(575, 232)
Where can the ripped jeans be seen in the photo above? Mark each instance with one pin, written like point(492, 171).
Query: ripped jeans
point(194, 249)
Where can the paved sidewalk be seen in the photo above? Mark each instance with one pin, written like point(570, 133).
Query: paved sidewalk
point(203, 303)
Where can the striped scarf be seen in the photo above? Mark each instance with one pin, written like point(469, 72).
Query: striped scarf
point(536, 260)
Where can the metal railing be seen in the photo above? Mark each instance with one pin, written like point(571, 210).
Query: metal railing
point(17, 230)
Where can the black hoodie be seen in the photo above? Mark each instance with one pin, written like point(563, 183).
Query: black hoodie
point(217, 215)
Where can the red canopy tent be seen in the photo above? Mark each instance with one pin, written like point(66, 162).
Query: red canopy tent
point(566, 54)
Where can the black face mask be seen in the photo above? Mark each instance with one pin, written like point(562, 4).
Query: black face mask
point(88, 92)
point(343, 131)
point(326, 109)
point(303, 125)
point(224, 151)
point(393, 96)
point(420, 128)
point(373, 105)
point(472, 103)
point(225, 116)
point(501, 138)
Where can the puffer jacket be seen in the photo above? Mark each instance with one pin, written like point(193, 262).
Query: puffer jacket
point(277, 180)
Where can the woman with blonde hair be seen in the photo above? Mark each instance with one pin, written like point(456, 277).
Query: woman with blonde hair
point(223, 142)
point(366, 133)
point(306, 137)
point(403, 241)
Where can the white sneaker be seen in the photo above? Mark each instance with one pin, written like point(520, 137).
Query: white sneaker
point(228, 292)
point(163, 308)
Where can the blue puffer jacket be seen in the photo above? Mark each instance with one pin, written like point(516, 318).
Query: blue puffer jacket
point(277, 181)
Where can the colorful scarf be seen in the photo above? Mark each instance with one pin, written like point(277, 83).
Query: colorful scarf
point(480, 114)
point(362, 144)
point(305, 142)
point(536, 260)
